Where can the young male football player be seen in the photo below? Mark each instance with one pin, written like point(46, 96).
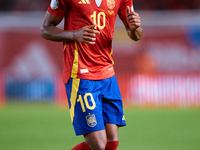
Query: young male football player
point(95, 103)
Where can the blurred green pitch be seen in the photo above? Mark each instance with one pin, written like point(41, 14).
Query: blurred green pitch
point(43, 126)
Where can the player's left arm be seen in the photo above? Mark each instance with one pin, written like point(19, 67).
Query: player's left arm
point(133, 25)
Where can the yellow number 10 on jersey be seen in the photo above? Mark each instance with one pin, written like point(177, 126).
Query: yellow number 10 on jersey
point(97, 19)
point(80, 99)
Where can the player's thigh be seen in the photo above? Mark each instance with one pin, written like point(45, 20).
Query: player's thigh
point(96, 140)
point(111, 132)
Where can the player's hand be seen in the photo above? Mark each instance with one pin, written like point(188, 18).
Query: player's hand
point(133, 19)
point(86, 34)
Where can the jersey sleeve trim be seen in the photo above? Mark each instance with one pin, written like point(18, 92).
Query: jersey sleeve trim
point(60, 11)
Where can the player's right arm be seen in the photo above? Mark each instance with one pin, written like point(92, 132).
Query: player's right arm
point(50, 31)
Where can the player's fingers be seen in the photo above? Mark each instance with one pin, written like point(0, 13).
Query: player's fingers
point(133, 18)
point(138, 24)
point(89, 31)
point(88, 40)
point(89, 34)
point(136, 20)
point(135, 14)
point(92, 31)
point(90, 43)
point(127, 10)
point(135, 25)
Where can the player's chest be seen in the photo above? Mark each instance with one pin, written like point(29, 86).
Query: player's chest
point(89, 6)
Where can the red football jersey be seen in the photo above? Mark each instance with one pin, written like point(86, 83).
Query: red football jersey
point(81, 60)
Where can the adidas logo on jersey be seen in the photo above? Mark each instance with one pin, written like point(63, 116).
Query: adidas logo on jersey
point(84, 2)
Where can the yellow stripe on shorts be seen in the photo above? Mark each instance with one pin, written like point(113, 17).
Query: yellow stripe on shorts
point(75, 87)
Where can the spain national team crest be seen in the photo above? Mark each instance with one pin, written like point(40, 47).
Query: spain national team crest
point(91, 120)
point(111, 4)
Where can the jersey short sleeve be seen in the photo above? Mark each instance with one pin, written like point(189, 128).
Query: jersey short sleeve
point(122, 9)
point(58, 7)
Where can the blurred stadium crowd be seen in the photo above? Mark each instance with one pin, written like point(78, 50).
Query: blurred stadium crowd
point(24, 5)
